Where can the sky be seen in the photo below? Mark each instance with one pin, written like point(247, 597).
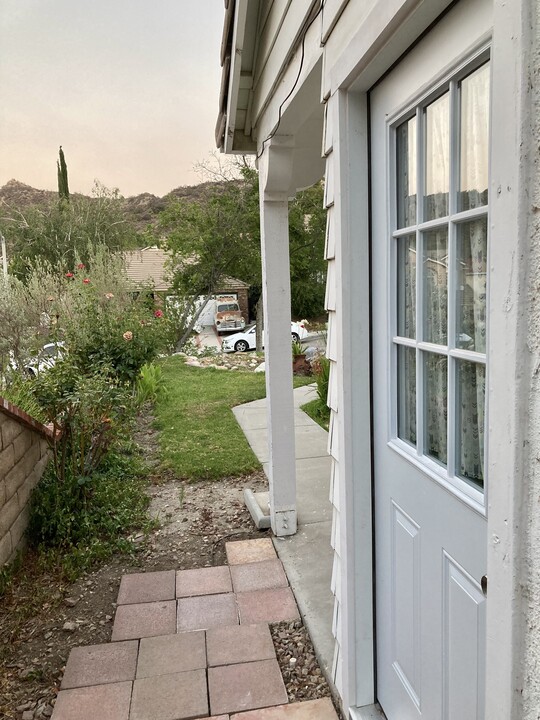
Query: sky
point(129, 88)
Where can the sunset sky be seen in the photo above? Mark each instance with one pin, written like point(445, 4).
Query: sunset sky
point(129, 88)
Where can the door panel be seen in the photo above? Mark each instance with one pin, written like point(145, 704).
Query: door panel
point(429, 149)
point(463, 638)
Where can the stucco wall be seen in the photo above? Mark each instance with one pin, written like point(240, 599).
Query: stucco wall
point(23, 457)
point(531, 548)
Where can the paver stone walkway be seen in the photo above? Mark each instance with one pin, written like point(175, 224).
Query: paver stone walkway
point(190, 644)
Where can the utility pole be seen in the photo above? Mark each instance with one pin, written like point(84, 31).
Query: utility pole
point(4, 255)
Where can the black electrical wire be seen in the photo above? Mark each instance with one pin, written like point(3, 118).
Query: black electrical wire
point(309, 23)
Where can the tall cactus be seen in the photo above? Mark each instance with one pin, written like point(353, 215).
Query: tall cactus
point(63, 189)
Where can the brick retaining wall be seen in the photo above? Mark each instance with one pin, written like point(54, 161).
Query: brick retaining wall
point(24, 452)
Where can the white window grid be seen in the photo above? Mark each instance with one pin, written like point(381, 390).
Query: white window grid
point(444, 474)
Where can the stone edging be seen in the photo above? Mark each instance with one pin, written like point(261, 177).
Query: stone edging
point(16, 413)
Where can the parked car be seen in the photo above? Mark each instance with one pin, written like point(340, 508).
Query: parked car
point(45, 359)
point(245, 340)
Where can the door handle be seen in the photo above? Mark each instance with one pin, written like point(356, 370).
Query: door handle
point(484, 584)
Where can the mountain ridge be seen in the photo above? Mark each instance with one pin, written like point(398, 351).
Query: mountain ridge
point(143, 209)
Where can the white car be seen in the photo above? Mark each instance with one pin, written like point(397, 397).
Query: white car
point(45, 359)
point(245, 340)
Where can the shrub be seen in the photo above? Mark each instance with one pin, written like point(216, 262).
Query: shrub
point(297, 348)
point(92, 308)
point(92, 490)
point(321, 370)
point(318, 408)
point(87, 413)
point(89, 521)
point(20, 392)
point(104, 324)
point(150, 384)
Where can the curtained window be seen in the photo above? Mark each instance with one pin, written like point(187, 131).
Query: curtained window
point(440, 256)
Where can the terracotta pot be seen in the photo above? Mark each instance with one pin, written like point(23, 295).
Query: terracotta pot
point(301, 365)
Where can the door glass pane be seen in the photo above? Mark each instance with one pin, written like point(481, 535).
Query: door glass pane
point(406, 290)
point(437, 133)
point(435, 406)
point(474, 135)
point(436, 286)
point(407, 394)
point(471, 285)
point(470, 400)
point(406, 173)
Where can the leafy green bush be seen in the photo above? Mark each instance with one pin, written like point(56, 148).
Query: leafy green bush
point(20, 392)
point(92, 308)
point(150, 384)
point(297, 348)
point(321, 370)
point(318, 409)
point(56, 232)
point(92, 491)
point(91, 520)
point(87, 412)
point(104, 324)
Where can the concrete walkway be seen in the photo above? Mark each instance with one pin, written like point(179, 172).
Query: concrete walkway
point(306, 556)
point(191, 643)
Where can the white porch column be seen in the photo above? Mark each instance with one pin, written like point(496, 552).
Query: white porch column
point(275, 170)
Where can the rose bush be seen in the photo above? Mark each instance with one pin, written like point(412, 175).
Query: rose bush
point(108, 332)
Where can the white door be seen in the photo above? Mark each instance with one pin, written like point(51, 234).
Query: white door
point(429, 165)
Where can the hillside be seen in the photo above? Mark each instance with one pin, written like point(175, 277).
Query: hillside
point(141, 209)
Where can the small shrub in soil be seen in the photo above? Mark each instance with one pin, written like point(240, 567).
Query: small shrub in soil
point(74, 523)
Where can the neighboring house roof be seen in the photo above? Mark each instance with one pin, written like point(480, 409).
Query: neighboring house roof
point(148, 267)
point(230, 283)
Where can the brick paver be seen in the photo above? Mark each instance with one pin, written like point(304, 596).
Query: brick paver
point(275, 605)
point(206, 611)
point(144, 620)
point(190, 642)
point(258, 576)
point(233, 688)
point(248, 551)
point(239, 644)
point(98, 664)
point(108, 702)
point(170, 697)
point(310, 710)
point(171, 654)
point(147, 587)
point(203, 581)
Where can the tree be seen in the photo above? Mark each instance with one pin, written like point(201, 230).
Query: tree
point(63, 188)
point(220, 235)
point(307, 233)
point(212, 239)
point(57, 233)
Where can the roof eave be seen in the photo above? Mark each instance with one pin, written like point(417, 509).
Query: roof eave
point(229, 138)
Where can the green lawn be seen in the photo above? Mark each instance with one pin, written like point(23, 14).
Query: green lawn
point(319, 412)
point(199, 436)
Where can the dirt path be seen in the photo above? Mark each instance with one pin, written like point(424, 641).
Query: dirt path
point(42, 618)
